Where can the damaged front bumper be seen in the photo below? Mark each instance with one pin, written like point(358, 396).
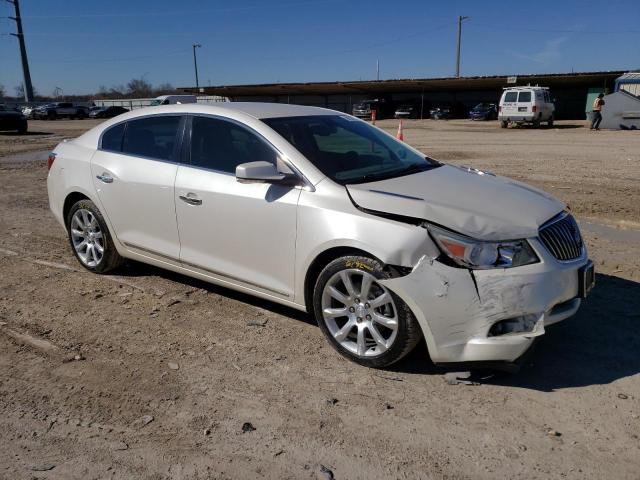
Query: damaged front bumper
point(489, 315)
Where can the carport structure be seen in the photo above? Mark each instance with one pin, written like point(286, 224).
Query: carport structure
point(569, 89)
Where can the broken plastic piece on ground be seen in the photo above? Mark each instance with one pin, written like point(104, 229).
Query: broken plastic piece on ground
point(459, 378)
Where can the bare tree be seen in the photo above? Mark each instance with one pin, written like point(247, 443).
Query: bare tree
point(139, 87)
point(2, 91)
point(19, 89)
point(164, 89)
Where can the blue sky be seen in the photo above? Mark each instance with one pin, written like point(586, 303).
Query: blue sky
point(78, 45)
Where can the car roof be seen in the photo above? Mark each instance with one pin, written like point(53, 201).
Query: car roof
point(257, 110)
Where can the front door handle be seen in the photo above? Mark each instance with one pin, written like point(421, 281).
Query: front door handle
point(105, 177)
point(191, 199)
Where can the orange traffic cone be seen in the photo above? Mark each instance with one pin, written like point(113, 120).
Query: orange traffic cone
point(400, 135)
point(373, 117)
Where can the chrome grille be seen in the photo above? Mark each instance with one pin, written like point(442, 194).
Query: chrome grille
point(562, 237)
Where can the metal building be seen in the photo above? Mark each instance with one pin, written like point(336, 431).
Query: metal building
point(569, 89)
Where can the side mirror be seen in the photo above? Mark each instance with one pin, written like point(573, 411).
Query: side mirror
point(260, 172)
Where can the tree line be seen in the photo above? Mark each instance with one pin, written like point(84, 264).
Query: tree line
point(135, 88)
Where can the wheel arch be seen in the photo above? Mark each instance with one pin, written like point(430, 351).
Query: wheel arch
point(322, 260)
point(70, 200)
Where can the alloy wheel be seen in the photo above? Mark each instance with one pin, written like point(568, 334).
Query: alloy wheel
point(87, 238)
point(359, 313)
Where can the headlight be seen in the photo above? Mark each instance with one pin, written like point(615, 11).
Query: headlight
point(478, 254)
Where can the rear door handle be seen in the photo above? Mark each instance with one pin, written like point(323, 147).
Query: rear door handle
point(105, 177)
point(191, 199)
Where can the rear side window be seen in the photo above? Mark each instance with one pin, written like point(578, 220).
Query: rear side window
point(511, 97)
point(524, 97)
point(152, 137)
point(221, 145)
point(112, 138)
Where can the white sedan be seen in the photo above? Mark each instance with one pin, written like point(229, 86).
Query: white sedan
point(315, 209)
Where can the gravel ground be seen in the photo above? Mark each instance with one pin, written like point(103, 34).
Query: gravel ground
point(149, 374)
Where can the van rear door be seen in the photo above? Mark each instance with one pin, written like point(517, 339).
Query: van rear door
point(509, 103)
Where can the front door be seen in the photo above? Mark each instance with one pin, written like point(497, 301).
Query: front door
point(243, 233)
point(134, 173)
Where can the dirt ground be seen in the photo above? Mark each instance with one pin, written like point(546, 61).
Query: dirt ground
point(149, 374)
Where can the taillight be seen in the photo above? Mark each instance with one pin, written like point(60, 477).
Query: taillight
point(534, 109)
point(50, 160)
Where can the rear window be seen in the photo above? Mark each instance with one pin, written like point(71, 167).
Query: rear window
point(524, 97)
point(112, 138)
point(511, 97)
point(152, 137)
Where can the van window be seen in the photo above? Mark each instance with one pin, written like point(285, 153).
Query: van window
point(524, 97)
point(221, 145)
point(112, 138)
point(511, 97)
point(152, 137)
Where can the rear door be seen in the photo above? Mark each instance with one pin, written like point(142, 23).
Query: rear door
point(525, 103)
point(239, 232)
point(510, 103)
point(134, 171)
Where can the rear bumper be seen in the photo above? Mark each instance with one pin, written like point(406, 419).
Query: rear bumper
point(517, 118)
point(457, 308)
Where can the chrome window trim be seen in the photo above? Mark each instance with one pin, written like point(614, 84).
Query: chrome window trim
point(177, 147)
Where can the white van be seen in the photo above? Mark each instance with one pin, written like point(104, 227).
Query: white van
point(174, 99)
point(526, 105)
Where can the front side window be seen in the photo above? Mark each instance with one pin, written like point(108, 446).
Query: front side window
point(524, 97)
point(152, 137)
point(348, 150)
point(221, 145)
point(112, 138)
point(511, 97)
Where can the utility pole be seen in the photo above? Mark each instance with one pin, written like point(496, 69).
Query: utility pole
point(460, 20)
point(195, 62)
point(378, 69)
point(28, 88)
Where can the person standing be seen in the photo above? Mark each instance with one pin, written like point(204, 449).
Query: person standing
point(596, 114)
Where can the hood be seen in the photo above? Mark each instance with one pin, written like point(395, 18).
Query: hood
point(477, 204)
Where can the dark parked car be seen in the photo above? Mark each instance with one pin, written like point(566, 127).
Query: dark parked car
point(448, 110)
point(51, 111)
point(407, 111)
point(382, 107)
point(484, 111)
point(12, 119)
point(107, 112)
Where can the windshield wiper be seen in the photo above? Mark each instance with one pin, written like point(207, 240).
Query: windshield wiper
point(416, 168)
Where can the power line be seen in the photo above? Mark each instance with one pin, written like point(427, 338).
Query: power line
point(267, 5)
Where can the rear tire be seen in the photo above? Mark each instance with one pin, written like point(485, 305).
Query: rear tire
point(362, 319)
point(504, 124)
point(550, 121)
point(536, 123)
point(90, 238)
point(52, 116)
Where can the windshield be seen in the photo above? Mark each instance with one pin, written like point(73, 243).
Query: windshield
point(348, 150)
point(483, 106)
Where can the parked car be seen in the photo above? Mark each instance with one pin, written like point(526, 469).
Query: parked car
point(322, 212)
point(440, 113)
point(174, 99)
point(382, 107)
point(52, 111)
point(27, 111)
point(484, 111)
point(520, 105)
point(107, 112)
point(12, 119)
point(407, 111)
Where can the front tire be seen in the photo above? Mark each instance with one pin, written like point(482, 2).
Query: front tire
point(362, 319)
point(550, 122)
point(504, 124)
point(90, 238)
